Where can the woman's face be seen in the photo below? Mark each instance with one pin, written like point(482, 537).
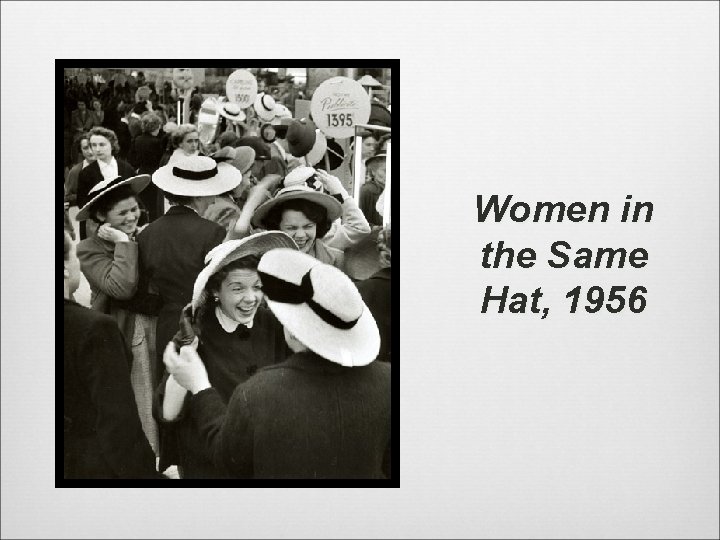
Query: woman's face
point(86, 150)
point(368, 147)
point(101, 147)
point(123, 216)
point(96, 106)
point(240, 295)
point(190, 143)
point(299, 228)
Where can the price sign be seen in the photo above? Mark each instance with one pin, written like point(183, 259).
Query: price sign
point(338, 105)
point(241, 88)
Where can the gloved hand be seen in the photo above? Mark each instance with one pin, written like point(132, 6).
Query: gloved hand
point(186, 367)
point(186, 335)
point(332, 184)
point(111, 234)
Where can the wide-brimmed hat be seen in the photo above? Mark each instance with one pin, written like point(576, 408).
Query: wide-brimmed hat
point(300, 138)
point(231, 111)
point(318, 150)
point(244, 158)
point(265, 106)
point(320, 306)
point(301, 191)
point(197, 176)
point(232, 250)
point(101, 189)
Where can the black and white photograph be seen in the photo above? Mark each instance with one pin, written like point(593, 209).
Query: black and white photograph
point(227, 241)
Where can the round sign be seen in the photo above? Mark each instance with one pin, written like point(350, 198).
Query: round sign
point(241, 88)
point(338, 104)
point(183, 78)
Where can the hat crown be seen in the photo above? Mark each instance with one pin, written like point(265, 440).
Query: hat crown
point(333, 290)
point(195, 163)
point(232, 108)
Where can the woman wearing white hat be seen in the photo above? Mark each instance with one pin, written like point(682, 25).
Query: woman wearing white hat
point(313, 208)
point(322, 413)
point(174, 246)
point(109, 259)
point(236, 336)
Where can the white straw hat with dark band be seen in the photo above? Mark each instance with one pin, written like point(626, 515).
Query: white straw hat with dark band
point(232, 250)
point(99, 190)
point(231, 111)
point(300, 191)
point(197, 176)
point(320, 306)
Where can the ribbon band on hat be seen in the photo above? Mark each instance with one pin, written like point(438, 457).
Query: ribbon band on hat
point(279, 290)
point(194, 175)
point(106, 184)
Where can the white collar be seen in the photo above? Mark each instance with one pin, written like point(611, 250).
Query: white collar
point(85, 163)
point(228, 324)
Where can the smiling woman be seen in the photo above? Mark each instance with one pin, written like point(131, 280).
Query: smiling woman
point(236, 336)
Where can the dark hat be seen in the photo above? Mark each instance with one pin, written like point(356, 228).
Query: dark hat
point(379, 115)
point(262, 150)
point(140, 107)
point(300, 138)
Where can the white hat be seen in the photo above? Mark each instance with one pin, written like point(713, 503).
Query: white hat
point(281, 111)
point(317, 152)
point(232, 250)
point(231, 111)
point(330, 203)
point(320, 306)
point(102, 188)
point(303, 176)
point(265, 106)
point(197, 176)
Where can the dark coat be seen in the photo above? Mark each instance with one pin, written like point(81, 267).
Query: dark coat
point(103, 437)
point(303, 418)
point(376, 292)
point(230, 359)
point(91, 175)
point(172, 254)
point(146, 152)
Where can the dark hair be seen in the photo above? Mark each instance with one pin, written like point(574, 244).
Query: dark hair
point(177, 199)
point(248, 262)
point(109, 134)
point(76, 150)
point(106, 203)
point(312, 211)
point(227, 138)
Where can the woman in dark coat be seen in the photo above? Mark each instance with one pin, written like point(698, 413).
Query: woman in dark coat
point(105, 146)
point(146, 151)
point(102, 435)
point(325, 411)
point(237, 336)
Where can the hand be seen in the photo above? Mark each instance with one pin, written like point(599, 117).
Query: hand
point(111, 234)
point(263, 189)
point(331, 183)
point(186, 367)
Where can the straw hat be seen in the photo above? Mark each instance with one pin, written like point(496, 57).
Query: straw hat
point(317, 152)
point(265, 106)
point(320, 306)
point(232, 250)
point(231, 111)
point(197, 176)
point(330, 203)
point(303, 176)
point(99, 190)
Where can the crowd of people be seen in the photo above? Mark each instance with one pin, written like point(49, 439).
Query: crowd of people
point(239, 323)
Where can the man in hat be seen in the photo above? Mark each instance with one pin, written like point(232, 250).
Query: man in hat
point(322, 413)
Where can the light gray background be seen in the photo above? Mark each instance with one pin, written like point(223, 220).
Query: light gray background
point(601, 426)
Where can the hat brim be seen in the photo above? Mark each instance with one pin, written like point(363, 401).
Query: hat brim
point(232, 250)
point(238, 118)
point(331, 205)
point(136, 183)
point(357, 346)
point(317, 152)
point(374, 158)
point(226, 179)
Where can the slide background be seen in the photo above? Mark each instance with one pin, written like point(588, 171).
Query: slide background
point(585, 425)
